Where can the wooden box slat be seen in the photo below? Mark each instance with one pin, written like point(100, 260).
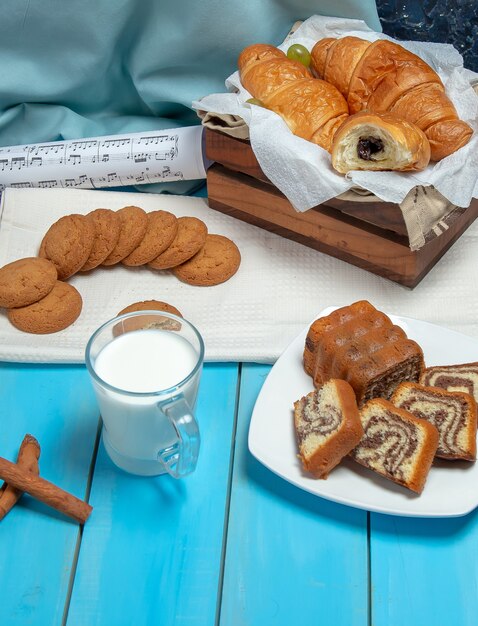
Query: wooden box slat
point(370, 235)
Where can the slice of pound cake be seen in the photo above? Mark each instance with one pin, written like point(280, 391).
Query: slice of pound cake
point(396, 444)
point(327, 426)
point(452, 413)
point(463, 377)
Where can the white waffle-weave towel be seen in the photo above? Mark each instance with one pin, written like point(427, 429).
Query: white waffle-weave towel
point(279, 288)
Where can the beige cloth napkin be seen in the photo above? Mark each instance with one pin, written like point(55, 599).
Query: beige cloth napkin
point(279, 288)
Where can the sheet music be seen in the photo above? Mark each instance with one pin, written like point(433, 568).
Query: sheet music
point(109, 161)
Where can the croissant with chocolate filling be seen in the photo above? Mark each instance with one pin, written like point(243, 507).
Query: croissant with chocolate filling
point(368, 141)
point(385, 77)
point(313, 109)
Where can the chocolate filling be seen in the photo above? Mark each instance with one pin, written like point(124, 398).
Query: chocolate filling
point(368, 146)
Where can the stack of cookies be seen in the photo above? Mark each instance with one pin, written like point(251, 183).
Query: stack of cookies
point(36, 301)
point(39, 301)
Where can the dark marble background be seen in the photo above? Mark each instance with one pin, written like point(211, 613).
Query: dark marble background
point(443, 21)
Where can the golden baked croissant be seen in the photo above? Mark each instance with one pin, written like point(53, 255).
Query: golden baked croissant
point(313, 109)
point(385, 77)
point(379, 141)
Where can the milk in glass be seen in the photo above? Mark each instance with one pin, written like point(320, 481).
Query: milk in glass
point(142, 370)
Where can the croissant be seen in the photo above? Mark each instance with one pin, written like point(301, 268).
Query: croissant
point(313, 109)
point(385, 77)
point(379, 141)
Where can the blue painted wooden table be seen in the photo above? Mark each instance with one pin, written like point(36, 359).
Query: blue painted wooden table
point(232, 544)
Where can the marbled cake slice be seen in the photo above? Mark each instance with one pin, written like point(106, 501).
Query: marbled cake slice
point(452, 413)
point(463, 377)
point(396, 444)
point(327, 426)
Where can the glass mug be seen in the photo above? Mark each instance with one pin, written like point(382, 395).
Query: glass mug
point(145, 369)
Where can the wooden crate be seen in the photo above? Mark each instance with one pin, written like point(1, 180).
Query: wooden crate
point(371, 235)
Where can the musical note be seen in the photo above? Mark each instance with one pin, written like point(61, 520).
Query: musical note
point(18, 161)
point(47, 148)
point(22, 185)
point(83, 145)
point(155, 139)
point(75, 158)
point(116, 143)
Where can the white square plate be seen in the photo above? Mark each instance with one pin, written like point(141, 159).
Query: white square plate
point(452, 486)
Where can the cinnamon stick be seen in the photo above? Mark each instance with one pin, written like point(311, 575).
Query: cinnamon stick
point(44, 491)
point(27, 459)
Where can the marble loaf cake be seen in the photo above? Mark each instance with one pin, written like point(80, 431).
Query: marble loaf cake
point(453, 414)
point(361, 345)
point(396, 444)
point(327, 426)
point(462, 377)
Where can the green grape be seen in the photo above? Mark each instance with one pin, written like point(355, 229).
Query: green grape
point(255, 101)
point(297, 52)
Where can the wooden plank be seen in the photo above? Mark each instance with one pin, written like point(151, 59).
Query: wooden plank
point(382, 214)
point(292, 558)
point(424, 571)
point(355, 241)
point(37, 545)
point(151, 553)
point(234, 154)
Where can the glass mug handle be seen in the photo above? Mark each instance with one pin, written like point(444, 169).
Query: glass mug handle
point(180, 459)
